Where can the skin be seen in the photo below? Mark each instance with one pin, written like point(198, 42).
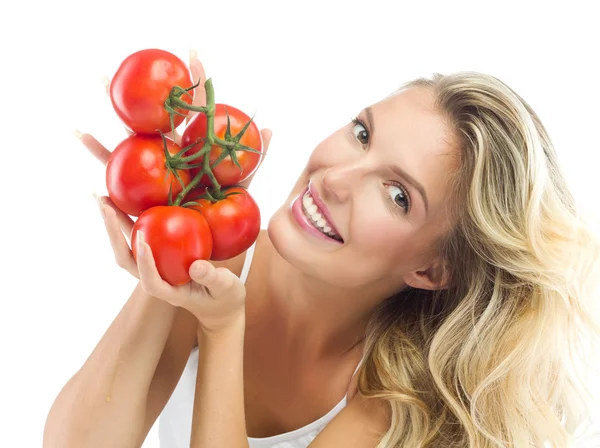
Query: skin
point(328, 290)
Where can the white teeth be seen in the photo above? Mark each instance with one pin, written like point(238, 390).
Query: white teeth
point(310, 209)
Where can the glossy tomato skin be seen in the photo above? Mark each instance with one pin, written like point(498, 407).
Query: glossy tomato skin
point(177, 237)
point(136, 174)
point(226, 172)
point(234, 222)
point(142, 84)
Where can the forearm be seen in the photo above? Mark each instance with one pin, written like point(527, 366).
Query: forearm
point(104, 403)
point(219, 418)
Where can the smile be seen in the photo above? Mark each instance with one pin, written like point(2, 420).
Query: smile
point(317, 218)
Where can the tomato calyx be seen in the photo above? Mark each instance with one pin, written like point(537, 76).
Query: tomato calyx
point(209, 197)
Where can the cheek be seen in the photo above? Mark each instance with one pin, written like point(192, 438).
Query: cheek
point(377, 236)
point(385, 240)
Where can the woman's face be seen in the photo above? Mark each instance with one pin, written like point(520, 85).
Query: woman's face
point(381, 184)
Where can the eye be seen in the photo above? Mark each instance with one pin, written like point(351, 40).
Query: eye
point(360, 131)
point(399, 196)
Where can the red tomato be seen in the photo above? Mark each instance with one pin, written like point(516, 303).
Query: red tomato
point(234, 222)
point(136, 174)
point(142, 84)
point(226, 172)
point(177, 236)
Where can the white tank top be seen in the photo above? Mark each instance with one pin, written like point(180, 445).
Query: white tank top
point(175, 422)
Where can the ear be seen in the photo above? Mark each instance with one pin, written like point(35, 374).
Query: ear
point(433, 277)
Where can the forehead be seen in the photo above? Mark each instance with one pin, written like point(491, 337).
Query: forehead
point(409, 118)
point(408, 132)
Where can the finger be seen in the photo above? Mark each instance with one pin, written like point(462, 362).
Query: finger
point(198, 74)
point(124, 219)
point(150, 279)
point(97, 149)
point(106, 81)
point(266, 135)
point(218, 281)
point(122, 253)
point(266, 138)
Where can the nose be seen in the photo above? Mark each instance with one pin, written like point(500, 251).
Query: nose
point(339, 180)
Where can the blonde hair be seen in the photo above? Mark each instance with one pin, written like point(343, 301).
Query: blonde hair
point(488, 361)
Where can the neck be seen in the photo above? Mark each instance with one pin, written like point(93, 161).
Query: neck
point(317, 320)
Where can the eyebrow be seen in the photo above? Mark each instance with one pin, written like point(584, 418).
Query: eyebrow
point(396, 169)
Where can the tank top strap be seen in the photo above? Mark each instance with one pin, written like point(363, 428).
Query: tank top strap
point(247, 263)
point(358, 366)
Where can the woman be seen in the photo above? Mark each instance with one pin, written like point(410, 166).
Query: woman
point(424, 284)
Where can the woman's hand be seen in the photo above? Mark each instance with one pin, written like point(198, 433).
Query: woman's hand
point(216, 296)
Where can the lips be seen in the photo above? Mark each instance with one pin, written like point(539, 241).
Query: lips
point(322, 207)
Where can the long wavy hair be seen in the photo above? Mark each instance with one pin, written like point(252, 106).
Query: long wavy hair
point(493, 359)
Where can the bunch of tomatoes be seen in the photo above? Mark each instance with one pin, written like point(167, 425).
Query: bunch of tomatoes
point(185, 196)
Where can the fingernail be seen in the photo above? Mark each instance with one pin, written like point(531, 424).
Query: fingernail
point(100, 203)
point(193, 53)
point(140, 243)
point(105, 81)
point(200, 270)
point(77, 133)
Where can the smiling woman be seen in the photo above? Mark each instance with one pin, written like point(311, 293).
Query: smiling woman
point(426, 283)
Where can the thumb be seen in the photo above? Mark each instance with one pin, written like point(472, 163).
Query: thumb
point(220, 282)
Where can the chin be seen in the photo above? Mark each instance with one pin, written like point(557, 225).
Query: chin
point(282, 235)
point(298, 250)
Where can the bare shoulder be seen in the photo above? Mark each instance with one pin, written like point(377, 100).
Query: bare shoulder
point(361, 424)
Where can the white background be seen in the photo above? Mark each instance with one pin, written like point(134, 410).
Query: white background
point(306, 68)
